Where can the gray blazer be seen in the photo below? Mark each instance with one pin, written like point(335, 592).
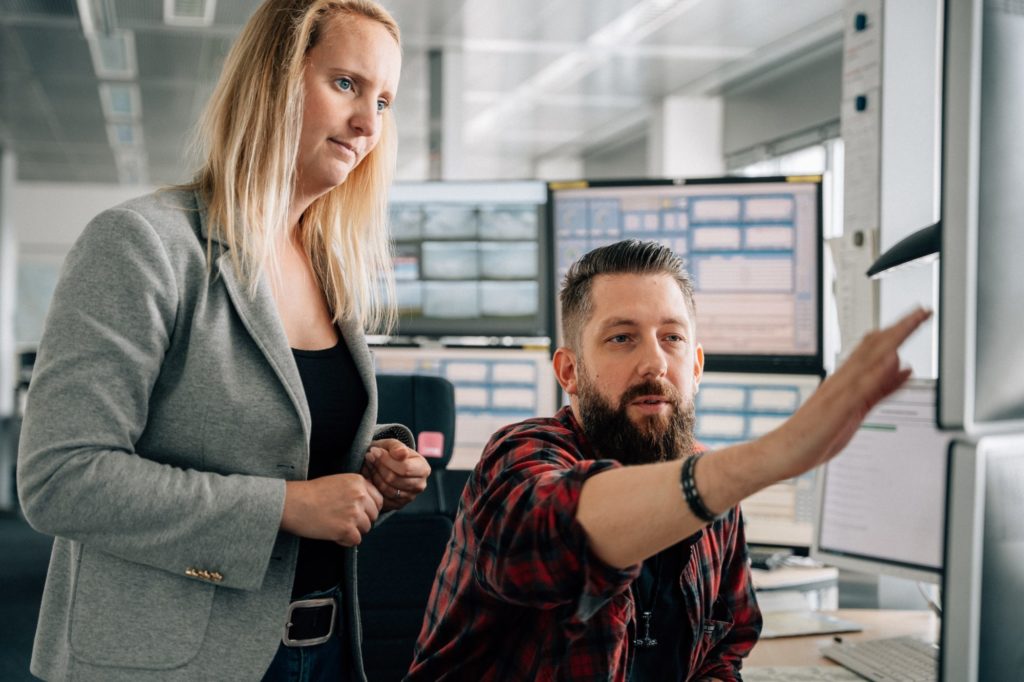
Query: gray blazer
point(164, 416)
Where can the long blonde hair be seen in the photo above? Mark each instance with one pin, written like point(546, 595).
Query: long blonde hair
point(249, 136)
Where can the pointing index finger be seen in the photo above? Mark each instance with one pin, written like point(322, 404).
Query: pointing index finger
point(907, 325)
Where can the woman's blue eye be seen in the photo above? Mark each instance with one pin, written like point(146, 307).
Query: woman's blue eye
point(382, 105)
point(344, 84)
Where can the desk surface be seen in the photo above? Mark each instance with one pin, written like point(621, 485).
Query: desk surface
point(792, 651)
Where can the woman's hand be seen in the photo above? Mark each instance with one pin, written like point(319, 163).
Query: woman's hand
point(397, 471)
point(341, 508)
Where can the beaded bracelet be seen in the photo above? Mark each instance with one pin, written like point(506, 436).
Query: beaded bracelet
point(690, 492)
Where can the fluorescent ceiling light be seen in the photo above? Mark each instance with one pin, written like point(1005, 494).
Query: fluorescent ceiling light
point(113, 55)
point(124, 135)
point(121, 102)
point(97, 16)
point(189, 12)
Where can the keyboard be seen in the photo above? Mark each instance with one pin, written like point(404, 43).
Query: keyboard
point(887, 660)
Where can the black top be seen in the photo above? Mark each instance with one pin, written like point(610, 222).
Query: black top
point(337, 400)
point(657, 592)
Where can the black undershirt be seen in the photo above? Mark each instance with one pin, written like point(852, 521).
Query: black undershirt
point(337, 400)
point(670, 622)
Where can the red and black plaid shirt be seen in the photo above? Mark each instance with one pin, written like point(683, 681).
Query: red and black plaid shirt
point(520, 596)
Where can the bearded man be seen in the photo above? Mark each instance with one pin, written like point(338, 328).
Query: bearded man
point(591, 545)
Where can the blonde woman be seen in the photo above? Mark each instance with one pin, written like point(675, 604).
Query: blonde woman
point(201, 428)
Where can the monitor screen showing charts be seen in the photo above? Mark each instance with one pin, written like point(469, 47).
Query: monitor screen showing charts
point(469, 258)
point(735, 408)
point(493, 388)
point(883, 498)
point(752, 247)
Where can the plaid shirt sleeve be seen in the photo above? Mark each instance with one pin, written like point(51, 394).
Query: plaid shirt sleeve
point(736, 591)
point(531, 549)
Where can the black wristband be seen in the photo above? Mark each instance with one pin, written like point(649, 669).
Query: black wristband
point(689, 486)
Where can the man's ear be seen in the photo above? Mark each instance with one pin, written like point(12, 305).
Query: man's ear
point(564, 362)
point(698, 367)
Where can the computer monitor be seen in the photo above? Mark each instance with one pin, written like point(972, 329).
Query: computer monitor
point(735, 408)
point(983, 587)
point(981, 359)
point(470, 258)
point(493, 388)
point(882, 500)
point(752, 246)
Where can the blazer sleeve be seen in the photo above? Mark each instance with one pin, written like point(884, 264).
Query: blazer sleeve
point(79, 475)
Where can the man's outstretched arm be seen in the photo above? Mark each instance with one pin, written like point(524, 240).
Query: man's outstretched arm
point(632, 513)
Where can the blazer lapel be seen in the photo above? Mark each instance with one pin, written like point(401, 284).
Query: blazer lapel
point(259, 316)
point(352, 334)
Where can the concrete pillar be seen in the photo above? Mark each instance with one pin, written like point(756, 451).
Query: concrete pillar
point(8, 365)
point(445, 148)
point(8, 285)
point(684, 138)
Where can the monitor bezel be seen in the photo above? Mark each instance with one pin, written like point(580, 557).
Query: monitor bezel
point(963, 585)
point(960, 185)
point(808, 363)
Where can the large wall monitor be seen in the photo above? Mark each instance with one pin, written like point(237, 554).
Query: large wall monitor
point(469, 258)
point(752, 246)
point(981, 358)
point(983, 586)
point(735, 408)
point(883, 498)
point(492, 388)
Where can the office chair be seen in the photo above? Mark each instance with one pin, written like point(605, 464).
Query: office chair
point(397, 564)
point(399, 558)
point(426, 404)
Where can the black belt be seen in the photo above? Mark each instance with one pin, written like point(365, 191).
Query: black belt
point(310, 621)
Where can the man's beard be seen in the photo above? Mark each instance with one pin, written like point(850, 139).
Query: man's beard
point(655, 439)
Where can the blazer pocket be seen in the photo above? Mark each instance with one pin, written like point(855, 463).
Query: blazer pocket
point(130, 615)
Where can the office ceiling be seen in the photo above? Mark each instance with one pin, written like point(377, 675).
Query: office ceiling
point(540, 79)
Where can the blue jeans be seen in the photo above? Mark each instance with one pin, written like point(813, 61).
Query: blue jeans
point(318, 663)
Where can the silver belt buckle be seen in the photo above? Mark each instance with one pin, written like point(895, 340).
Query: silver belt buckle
point(308, 604)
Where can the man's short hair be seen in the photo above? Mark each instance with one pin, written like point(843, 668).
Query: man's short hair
point(629, 257)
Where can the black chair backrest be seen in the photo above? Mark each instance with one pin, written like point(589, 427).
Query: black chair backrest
point(421, 402)
point(425, 404)
point(397, 563)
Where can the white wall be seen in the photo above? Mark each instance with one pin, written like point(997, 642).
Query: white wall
point(47, 219)
point(780, 105)
point(626, 160)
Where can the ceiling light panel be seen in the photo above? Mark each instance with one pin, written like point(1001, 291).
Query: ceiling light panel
point(124, 135)
point(121, 101)
point(193, 13)
point(113, 55)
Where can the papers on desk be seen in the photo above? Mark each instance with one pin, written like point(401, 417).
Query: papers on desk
point(796, 623)
point(781, 578)
point(817, 673)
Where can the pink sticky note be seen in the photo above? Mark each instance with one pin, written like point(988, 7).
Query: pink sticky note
point(430, 443)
